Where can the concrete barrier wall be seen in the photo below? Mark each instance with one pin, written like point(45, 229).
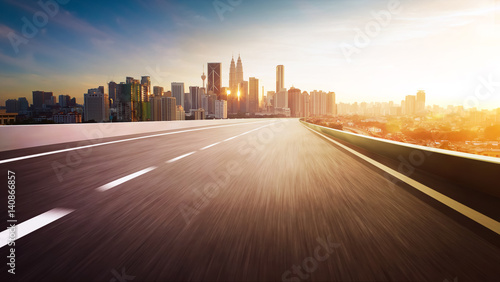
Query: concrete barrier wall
point(466, 170)
point(14, 137)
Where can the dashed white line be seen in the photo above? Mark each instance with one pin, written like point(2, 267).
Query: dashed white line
point(125, 179)
point(114, 142)
point(180, 157)
point(478, 217)
point(33, 224)
point(244, 133)
point(210, 146)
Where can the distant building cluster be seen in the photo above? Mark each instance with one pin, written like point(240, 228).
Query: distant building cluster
point(46, 108)
point(412, 105)
point(137, 100)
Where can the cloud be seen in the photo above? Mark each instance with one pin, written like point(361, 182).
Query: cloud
point(102, 43)
point(5, 30)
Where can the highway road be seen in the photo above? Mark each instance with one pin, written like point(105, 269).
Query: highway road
point(263, 200)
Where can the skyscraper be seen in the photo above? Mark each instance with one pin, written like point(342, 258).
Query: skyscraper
point(158, 91)
point(195, 97)
point(41, 98)
point(95, 106)
point(280, 78)
point(233, 83)
point(294, 101)
point(145, 88)
point(111, 93)
point(24, 105)
point(214, 78)
point(253, 95)
point(331, 107)
point(420, 108)
point(123, 102)
point(168, 108)
point(239, 70)
point(133, 96)
point(12, 106)
point(281, 99)
point(304, 104)
point(64, 101)
point(410, 105)
point(156, 108)
point(178, 93)
point(187, 102)
point(243, 97)
point(318, 103)
point(221, 109)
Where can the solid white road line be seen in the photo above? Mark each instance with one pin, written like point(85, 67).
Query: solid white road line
point(478, 217)
point(33, 224)
point(117, 141)
point(180, 157)
point(125, 179)
point(210, 146)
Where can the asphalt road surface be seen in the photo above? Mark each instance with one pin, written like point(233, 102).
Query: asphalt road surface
point(260, 201)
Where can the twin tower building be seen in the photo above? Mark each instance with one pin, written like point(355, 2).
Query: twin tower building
point(242, 96)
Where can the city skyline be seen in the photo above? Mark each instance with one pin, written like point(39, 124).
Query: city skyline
point(448, 50)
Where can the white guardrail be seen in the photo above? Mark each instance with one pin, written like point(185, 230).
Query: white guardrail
point(13, 137)
point(465, 170)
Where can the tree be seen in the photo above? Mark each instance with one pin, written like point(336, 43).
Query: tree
point(492, 132)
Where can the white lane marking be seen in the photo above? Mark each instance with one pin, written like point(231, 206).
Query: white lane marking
point(478, 217)
point(114, 142)
point(244, 133)
point(210, 146)
point(125, 179)
point(33, 224)
point(180, 157)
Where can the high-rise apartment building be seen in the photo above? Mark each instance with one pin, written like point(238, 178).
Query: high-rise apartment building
point(181, 115)
point(23, 105)
point(156, 108)
point(64, 101)
point(281, 99)
point(204, 103)
point(253, 95)
point(187, 102)
point(280, 78)
point(304, 104)
point(331, 107)
point(168, 108)
point(198, 114)
point(294, 101)
point(41, 98)
point(318, 103)
point(112, 94)
point(178, 92)
point(194, 92)
point(95, 106)
point(146, 88)
point(12, 106)
point(410, 105)
point(157, 91)
point(271, 100)
point(221, 109)
point(420, 107)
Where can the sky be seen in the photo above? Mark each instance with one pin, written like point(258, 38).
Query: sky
point(363, 50)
